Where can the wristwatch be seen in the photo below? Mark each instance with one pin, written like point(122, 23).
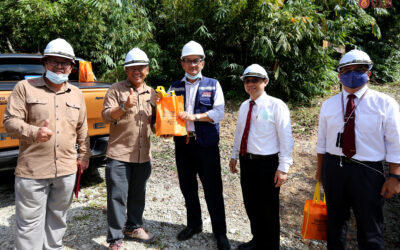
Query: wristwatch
point(197, 117)
point(122, 107)
point(397, 176)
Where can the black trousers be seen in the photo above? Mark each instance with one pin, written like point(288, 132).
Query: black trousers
point(192, 160)
point(358, 187)
point(261, 199)
point(126, 191)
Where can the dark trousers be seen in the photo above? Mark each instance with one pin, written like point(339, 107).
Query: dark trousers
point(125, 182)
point(358, 187)
point(261, 199)
point(192, 160)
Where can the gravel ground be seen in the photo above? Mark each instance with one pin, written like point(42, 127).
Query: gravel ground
point(165, 213)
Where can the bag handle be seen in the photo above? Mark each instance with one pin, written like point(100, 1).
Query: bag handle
point(317, 194)
point(161, 89)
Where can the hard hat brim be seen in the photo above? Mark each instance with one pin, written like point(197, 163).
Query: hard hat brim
point(369, 64)
point(253, 75)
point(129, 64)
point(202, 56)
point(63, 55)
point(57, 55)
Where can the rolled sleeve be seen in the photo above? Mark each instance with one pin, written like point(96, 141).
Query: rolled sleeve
point(392, 133)
point(110, 102)
point(83, 133)
point(321, 141)
point(238, 136)
point(217, 112)
point(284, 130)
point(15, 117)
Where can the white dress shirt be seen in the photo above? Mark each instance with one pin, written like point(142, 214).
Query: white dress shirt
point(217, 111)
point(377, 126)
point(270, 130)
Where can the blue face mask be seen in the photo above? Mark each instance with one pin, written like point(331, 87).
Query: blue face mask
point(354, 79)
point(193, 77)
point(56, 78)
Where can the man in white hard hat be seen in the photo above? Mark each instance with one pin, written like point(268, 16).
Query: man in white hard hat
point(359, 128)
point(198, 152)
point(48, 115)
point(263, 144)
point(129, 107)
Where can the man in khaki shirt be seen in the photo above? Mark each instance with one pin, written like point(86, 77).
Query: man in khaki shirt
point(129, 107)
point(48, 115)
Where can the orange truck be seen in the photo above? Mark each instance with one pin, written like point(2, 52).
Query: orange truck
point(16, 67)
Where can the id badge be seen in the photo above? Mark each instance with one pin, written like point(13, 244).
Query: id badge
point(339, 140)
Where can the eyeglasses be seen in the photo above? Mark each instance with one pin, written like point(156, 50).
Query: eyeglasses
point(342, 71)
point(194, 61)
point(137, 68)
point(251, 80)
point(55, 63)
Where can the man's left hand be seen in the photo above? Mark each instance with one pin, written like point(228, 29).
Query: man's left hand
point(280, 178)
point(83, 164)
point(186, 116)
point(390, 188)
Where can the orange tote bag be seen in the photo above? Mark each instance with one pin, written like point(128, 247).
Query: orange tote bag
point(167, 121)
point(85, 72)
point(315, 219)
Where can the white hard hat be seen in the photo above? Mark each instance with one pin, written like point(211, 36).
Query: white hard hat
point(59, 47)
point(192, 48)
point(136, 57)
point(355, 57)
point(254, 70)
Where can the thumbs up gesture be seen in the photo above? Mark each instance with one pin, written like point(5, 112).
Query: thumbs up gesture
point(132, 99)
point(44, 133)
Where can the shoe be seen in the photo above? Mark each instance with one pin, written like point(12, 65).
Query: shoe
point(188, 233)
point(248, 245)
point(140, 235)
point(116, 245)
point(223, 242)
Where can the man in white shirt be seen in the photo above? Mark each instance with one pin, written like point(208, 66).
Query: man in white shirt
point(263, 143)
point(198, 152)
point(358, 129)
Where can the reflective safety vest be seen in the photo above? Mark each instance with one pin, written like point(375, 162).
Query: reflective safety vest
point(207, 133)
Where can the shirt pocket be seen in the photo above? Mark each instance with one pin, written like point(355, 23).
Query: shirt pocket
point(206, 101)
point(370, 123)
point(38, 110)
point(149, 107)
point(264, 122)
point(72, 112)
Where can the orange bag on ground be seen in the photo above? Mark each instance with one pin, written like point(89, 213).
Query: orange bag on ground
point(167, 122)
point(315, 219)
point(85, 72)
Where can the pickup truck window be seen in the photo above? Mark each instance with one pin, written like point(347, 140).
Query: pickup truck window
point(15, 69)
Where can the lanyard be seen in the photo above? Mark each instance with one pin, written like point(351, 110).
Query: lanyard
point(344, 118)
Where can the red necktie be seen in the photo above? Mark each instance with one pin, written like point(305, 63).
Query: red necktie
point(243, 144)
point(349, 137)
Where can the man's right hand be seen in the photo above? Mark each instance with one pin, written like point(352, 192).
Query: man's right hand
point(159, 96)
point(132, 99)
point(44, 133)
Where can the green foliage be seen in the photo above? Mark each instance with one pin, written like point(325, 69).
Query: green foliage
point(102, 31)
point(285, 37)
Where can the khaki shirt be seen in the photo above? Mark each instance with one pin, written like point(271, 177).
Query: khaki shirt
point(29, 105)
point(129, 139)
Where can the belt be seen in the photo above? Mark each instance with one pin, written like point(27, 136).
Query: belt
point(373, 165)
point(351, 160)
point(251, 156)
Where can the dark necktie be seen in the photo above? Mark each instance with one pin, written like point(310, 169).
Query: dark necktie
point(243, 144)
point(349, 137)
